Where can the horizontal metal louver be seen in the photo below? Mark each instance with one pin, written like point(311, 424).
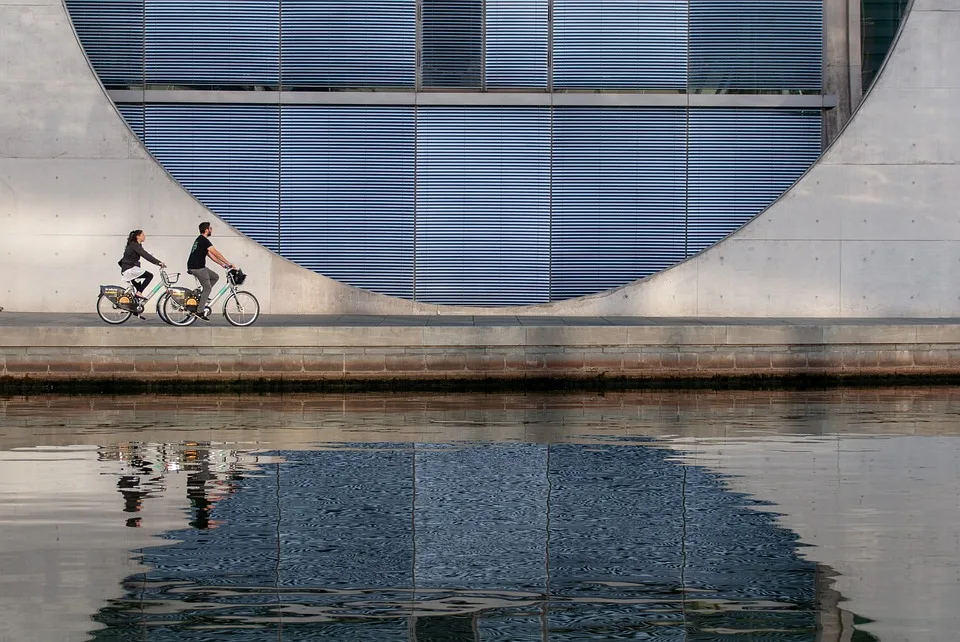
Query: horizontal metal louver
point(516, 43)
point(347, 194)
point(134, 115)
point(483, 208)
point(452, 43)
point(227, 156)
point(349, 43)
point(620, 44)
point(618, 196)
point(213, 43)
point(756, 44)
point(740, 162)
point(112, 35)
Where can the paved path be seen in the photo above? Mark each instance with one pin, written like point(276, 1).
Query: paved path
point(20, 319)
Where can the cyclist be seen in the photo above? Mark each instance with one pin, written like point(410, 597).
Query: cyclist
point(197, 266)
point(130, 269)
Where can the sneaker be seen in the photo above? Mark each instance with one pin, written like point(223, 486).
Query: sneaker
point(201, 316)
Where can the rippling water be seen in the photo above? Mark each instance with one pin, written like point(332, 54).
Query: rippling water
point(693, 516)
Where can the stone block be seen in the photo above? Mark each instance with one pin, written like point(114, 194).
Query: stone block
point(73, 366)
point(563, 362)
point(824, 359)
point(715, 361)
point(404, 363)
point(281, 363)
point(523, 362)
point(484, 363)
point(686, 360)
point(23, 364)
point(895, 358)
point(447, 362)
point(323, 363)
point(791, 361)
point(155, 365)
point(603, 361)
point(932, 358)
point(239, 364)
point(668, 359)
point(197, 364)
point(753, 360)
point(364, 363)
point(113, 365)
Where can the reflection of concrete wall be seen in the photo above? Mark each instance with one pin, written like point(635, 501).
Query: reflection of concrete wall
point(882, 512)
point(63, 543)
point(868, 232)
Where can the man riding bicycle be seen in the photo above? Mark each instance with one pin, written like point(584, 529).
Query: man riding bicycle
point(197, 266)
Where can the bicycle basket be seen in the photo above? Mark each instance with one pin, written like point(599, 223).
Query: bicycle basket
point(237, 276)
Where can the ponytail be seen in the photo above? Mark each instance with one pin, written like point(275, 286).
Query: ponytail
point(132, 237)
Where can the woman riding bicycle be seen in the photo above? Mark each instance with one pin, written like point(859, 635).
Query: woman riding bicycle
point(130, 269)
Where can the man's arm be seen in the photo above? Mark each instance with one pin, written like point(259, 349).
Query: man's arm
point(216, 256)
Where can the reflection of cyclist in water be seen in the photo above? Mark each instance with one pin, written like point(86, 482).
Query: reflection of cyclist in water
point(129, 486)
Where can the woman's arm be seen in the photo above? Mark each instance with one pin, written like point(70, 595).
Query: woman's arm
point(146, 255)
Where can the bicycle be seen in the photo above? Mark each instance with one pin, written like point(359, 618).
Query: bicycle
point(117, 303)
point(240, 308)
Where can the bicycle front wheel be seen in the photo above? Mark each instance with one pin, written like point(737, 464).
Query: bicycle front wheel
point(176, 314)
point(160, 312)
point(110, 312)
point(241, 308)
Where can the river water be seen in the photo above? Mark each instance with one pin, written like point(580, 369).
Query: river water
point(822, 516)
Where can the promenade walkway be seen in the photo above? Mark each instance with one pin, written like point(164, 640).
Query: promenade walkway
point(88, 320)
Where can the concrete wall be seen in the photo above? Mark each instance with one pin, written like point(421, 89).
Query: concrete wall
point(459, 353)
point(870, 231)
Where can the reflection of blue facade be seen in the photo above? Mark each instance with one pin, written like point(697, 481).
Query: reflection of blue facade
point(498, 193)
point(507, 540)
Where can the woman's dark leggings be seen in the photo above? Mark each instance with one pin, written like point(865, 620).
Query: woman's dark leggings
point(142, 281)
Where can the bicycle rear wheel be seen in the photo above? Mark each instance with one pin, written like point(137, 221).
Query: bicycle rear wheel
point(110, 312)
point(241, 308)
point(175, 313)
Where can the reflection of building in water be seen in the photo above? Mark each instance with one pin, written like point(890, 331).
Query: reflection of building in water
point(448, 543)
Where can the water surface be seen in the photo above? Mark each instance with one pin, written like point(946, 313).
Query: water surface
point(701, 516)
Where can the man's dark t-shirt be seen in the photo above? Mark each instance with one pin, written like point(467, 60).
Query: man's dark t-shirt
point(198, 253)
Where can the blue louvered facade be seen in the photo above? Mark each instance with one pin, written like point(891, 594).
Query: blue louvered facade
point(472, 203)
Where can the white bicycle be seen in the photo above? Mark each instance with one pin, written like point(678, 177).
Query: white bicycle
point(240, 307)
point(117, 303)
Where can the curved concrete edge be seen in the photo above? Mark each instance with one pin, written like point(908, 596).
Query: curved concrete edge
point(74, 179)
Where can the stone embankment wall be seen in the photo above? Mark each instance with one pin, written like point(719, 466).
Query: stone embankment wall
point(450, 353)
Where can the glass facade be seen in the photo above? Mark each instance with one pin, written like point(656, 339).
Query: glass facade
point(475, 203)
point(881, 19)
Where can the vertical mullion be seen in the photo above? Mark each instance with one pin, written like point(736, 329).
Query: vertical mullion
point(483, 45)
point(550, 49)
point(418, 45)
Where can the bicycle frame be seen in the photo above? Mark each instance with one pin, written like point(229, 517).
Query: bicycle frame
point(165, 284)
point(228, 286)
